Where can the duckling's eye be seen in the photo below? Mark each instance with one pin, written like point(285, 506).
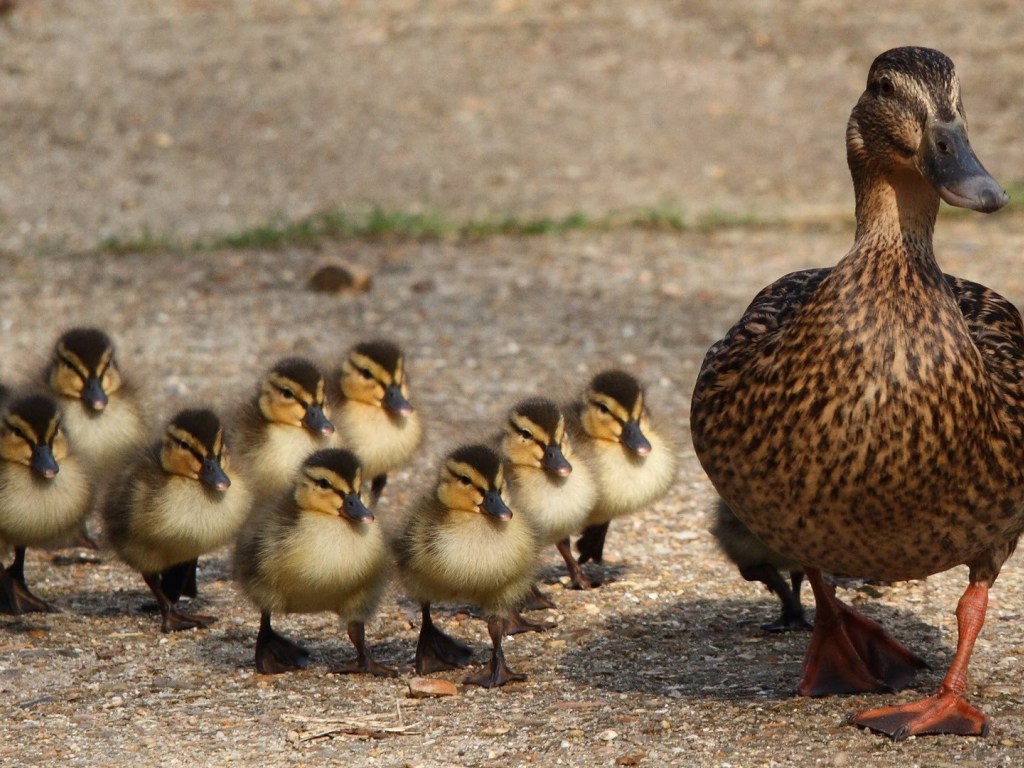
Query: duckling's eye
point(18, 433)
point(525, 434)
point(602, 408)
point(287, 394)
point(324, 483)
point(464, 480)
point(886, 86)
point(181, 444)
point(365, 373)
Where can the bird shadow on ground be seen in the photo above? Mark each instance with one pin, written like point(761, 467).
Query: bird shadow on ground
point(714, 649)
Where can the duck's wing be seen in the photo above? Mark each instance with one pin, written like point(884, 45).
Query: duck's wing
point(767, 314)
point(996, 327)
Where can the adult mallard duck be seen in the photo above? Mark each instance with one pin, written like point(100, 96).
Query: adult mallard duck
point(868, 419)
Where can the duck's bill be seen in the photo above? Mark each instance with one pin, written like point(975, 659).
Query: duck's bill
point(949, 163)
point(354, 509)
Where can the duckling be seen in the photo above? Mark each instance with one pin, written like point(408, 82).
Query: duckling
point(315, 551)
point(756, 562)
point(867, 419)
point(374, 416)
point(287, 420)
point(634, 466)
point(545, 479)
point(44, 491)
point(177, 500)
point(102, 409)
point(463, 542)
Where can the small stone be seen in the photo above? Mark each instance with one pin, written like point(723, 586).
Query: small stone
point(339, 277)
point(425, 687)
point(608, 735)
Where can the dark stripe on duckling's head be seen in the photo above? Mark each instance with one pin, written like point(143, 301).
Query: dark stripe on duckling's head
point(622, 387)
point(383, 352)
point(481, 458)
point(91, 346)
point(304, 373)
point(203, 425)
point(541, 411)
point(39, 413)
point(337, 460)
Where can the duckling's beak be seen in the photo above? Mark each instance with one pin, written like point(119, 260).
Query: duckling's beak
point(634, 439)
point(395, 401)
point(947, 161)
point(555, 462)
point(354, 509)
point(43, 463)
point(93, 395)
point(212, 476)
point(495, 506)
point(316, 422)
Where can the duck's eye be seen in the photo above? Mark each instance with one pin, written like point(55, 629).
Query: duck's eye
point(464, 480)
point(602, 408)
point(18, 433)
point(525, 434)
point(324, 483)
point(287, 394)
point(365, 373)
point(886, 86)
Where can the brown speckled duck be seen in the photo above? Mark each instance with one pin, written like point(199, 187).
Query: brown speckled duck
point(868, 419)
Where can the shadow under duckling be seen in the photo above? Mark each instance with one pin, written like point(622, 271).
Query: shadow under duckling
point(372, 410)
point(178, 500)
point(44, 491)
point(287, 420)
point(757, 562)
point(102, 409)
point(315, 550)
point(547, 483)
point(462, 542)
point(610, 425)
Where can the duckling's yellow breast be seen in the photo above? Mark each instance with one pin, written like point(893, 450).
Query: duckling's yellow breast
point(381, 440)
point(34, 511)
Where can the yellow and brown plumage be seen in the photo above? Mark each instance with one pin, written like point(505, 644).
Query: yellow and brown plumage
point(44, 490)
point(868, 419)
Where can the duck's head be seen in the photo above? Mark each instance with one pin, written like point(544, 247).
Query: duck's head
point(193, 447)
point(613, 410)
point(535, 436)
point(472, 481)
point(293, 392)
point(31, 434)
point(374, 373)
point(910, 121)
point(329, 483)
point(83, 367)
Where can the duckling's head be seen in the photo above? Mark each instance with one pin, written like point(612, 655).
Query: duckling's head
point(535, 436)
point(329, 484)
point(31, 435)
point(193, 447)
point(472, 481)
point(293, 392)
point(374, 373)
point(911, 121)
point(613, 410)
point(83, 367)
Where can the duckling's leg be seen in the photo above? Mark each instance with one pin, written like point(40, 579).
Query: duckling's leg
point(497, 672)
point(15, 597)
point(174, 620)
point(517, 624)
point(276, 653)
point(377, 487)
point(436, 651)
point(947, 711)
point(538, 600)
point(180, 580)
point(792, 612)
point(364, 662)
point(850, 653)
point(591, 544)
point(579, 579)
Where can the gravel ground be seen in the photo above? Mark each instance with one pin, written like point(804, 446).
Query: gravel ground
point(189, 119)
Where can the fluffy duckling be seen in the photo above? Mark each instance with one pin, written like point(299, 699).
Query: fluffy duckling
point(546, 481)
point(44, 491)
point(463, 543)
point(372, 412)
point(756, 562)
point(634, 466)
point(316, 550)
point(102, 409)
point(287, 420)
point(177, 500)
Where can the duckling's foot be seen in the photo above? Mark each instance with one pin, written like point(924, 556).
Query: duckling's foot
point(177, 621)
point(15, 598)
point(538, 601)
point(364, 662)
point(850, 653)
point(497, 672)
point(579, 579)
point(436, 651)
point(275, 653)
point(945, 712)
point(180, 580)
point(517, 624)
point(591, 544)
point(788, 623)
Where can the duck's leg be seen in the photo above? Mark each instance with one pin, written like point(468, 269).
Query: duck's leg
point(174, 620)
point(436, 651)
point(537, 600)
point(275, 653)
point(517, 624)
point(497, 672)
point(579, 579)
point(591, 544)
point(946, 711)
point(792, 612)
point(377, 487)
point(180, 580)
point(850, 653)
point(364, 661)
point(15, 597)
